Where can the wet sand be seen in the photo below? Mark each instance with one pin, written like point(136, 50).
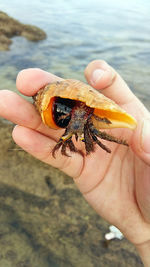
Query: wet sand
point(44, 220)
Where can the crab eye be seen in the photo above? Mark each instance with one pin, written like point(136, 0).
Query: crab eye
point(62, 108)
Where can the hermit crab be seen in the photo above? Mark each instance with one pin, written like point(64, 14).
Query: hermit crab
point(82, 111)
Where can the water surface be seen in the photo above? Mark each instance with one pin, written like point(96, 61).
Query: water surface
point(78, 32)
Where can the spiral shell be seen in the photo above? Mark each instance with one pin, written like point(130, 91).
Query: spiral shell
point(79, 91)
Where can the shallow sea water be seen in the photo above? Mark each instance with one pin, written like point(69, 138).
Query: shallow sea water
point(44, 220)
point(78, 32)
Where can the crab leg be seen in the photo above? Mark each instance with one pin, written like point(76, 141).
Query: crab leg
point(55, 148)
point(89, 146)
point(102, 119)
point(101, 144)
point(64, 142)
point(105, 136)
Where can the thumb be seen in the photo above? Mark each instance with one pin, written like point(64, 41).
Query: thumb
point(141, 137)
point(114, 87)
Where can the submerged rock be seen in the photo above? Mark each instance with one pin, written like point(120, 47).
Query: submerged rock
point(10, 27)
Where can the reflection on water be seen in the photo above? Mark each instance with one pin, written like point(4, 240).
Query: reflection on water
point(79, 32)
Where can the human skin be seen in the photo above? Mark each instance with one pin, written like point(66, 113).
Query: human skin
point(119, 187)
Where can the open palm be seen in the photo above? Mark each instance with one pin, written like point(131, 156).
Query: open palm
point(117, 184)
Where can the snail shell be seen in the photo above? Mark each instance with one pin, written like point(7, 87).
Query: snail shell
point(79, 91)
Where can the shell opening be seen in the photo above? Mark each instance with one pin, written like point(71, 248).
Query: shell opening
point(57, 114)
point(118, 119)
point(62, 108)
point(47, 115)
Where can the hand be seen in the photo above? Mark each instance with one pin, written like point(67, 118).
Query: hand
point(117, 185)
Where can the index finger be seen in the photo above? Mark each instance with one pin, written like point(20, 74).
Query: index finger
point(29, 81)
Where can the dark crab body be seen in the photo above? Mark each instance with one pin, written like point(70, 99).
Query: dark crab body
point(82, 111)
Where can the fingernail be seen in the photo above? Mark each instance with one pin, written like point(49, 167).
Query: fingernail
point(97, 75)
point(145, 138)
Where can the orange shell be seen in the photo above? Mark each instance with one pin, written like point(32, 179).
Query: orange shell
point(76, 90)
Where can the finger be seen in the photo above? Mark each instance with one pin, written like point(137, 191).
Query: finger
point(19, 111)
point(140, 140)
point(103, 77)
point(41, 146)
point(143, 188)
point(29, 81)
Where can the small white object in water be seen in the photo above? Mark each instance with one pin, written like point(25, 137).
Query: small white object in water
point(114, 233)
